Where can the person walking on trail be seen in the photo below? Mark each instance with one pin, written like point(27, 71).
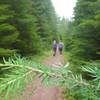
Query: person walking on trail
point(60, 46)
point(54, 47)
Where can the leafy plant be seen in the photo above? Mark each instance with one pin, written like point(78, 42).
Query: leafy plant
point(90, 91)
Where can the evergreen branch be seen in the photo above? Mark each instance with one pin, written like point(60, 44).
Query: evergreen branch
point(19, 66)
point(12, 81)
point(61, 76)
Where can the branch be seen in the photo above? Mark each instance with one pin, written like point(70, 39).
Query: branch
point(42, 72)
point(12, 81)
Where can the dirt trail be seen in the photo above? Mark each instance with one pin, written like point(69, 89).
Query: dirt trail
point(37, 91)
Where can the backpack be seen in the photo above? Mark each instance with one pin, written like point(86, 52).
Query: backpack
point(61, 45)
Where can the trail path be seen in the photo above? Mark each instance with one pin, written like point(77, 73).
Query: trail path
point(37, 91)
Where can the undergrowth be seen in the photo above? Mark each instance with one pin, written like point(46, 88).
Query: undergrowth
point(16, 72)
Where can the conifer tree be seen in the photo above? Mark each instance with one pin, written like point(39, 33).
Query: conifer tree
point(87, 22)
point(8, 31)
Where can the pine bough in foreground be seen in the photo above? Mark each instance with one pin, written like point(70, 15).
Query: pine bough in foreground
point(17, 72)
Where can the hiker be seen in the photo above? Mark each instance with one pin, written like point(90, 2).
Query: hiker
point(54, 47)
point(60, 46)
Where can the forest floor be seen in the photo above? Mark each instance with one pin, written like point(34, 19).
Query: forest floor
point(37, 91)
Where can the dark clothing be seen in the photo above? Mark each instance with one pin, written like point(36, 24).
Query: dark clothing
point(60, 47)
point(60, 50)
point(54, 48)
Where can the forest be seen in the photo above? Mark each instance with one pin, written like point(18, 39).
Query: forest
point(27, 30)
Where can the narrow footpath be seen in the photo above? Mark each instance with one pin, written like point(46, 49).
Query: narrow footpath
point(37, 91)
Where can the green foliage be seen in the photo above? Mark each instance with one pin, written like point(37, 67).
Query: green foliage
point(46, 21)
point(83, 41)
point(20, 70)
point(6, 52)
point(87, 29)
point(62, 28)
point(8, 32)
point(27, 26)
point(16, 73)
point(83, 47)
point(89, 91)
